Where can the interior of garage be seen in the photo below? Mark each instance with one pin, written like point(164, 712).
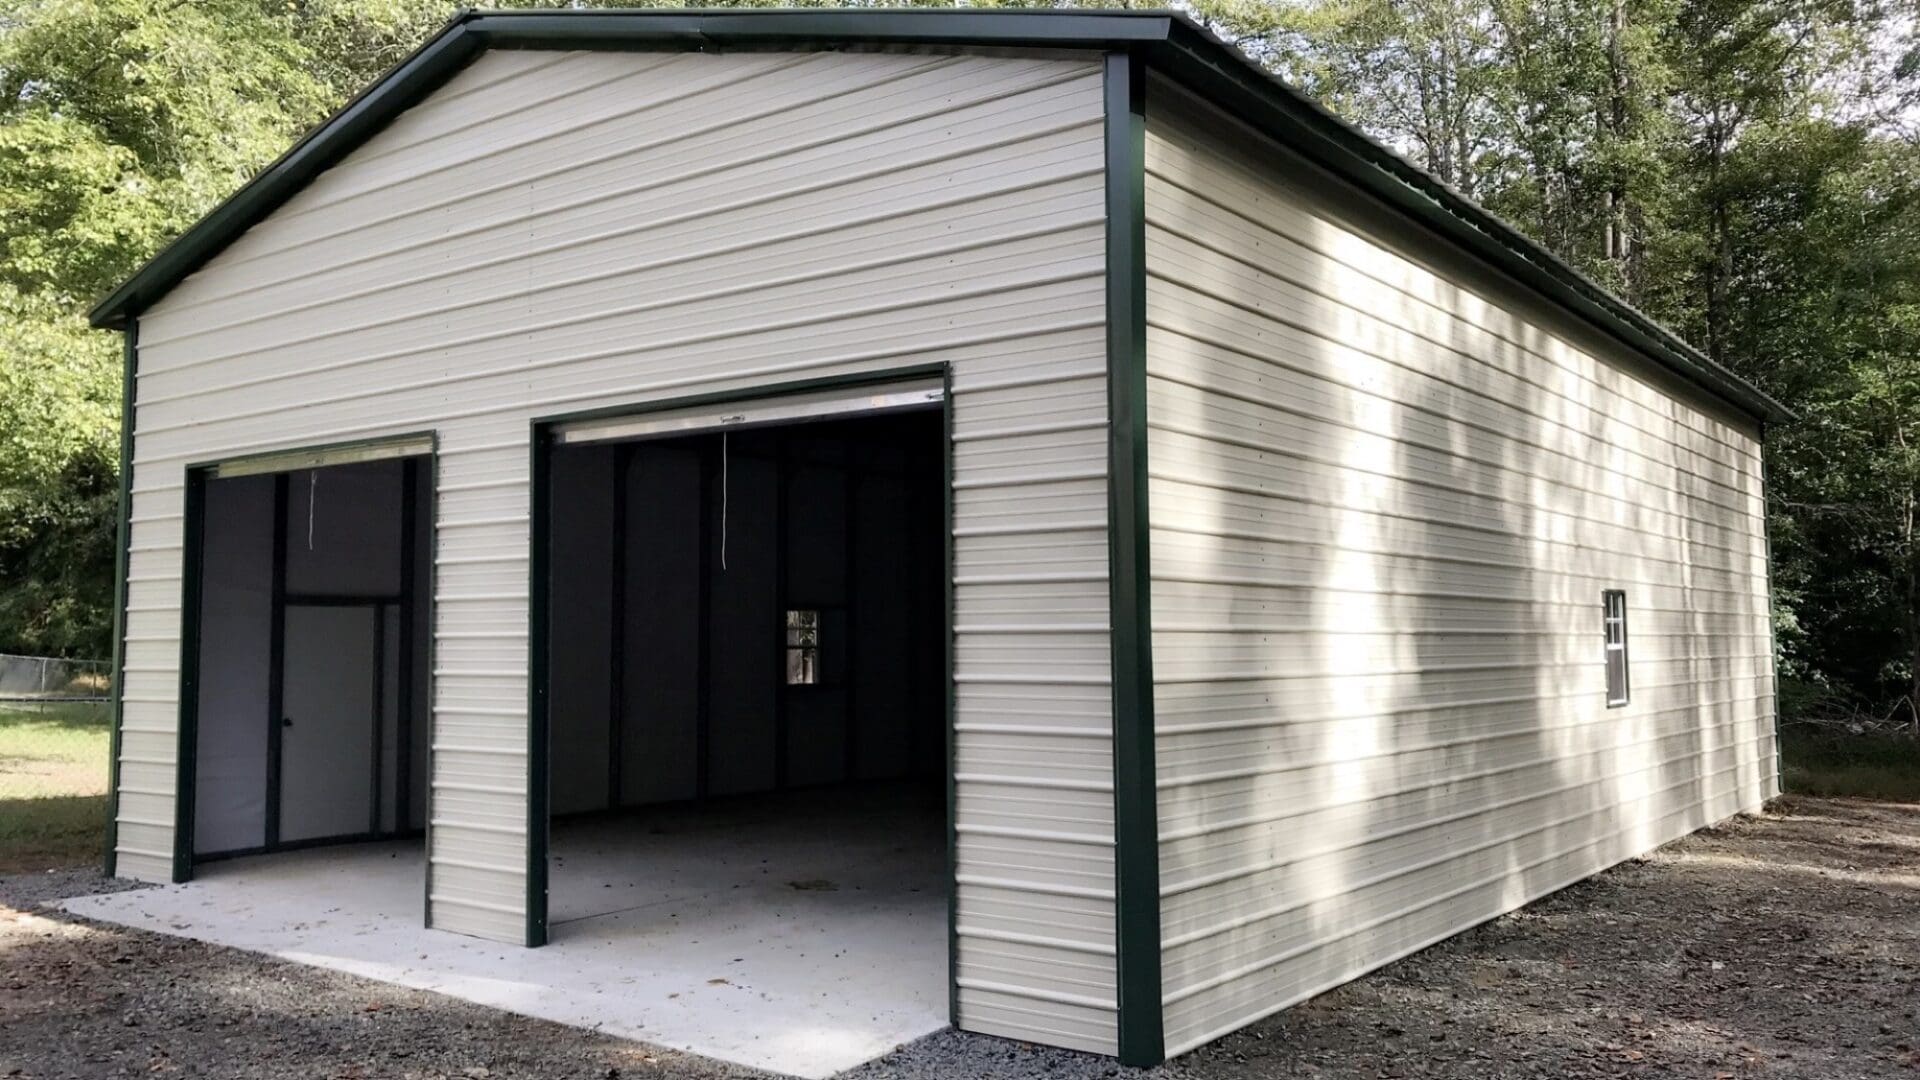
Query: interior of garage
point(310, 696)
point(747, 691)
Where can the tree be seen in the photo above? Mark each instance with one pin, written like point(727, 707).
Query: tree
point(120, 122)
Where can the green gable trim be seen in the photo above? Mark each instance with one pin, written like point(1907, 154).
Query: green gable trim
point(1164, 41)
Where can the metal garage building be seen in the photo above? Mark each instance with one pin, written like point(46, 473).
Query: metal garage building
point(1209, 542)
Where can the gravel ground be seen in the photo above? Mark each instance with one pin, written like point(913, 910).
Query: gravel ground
point(1781, 946)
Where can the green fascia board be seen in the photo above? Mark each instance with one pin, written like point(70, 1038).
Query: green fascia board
point(1168, 41)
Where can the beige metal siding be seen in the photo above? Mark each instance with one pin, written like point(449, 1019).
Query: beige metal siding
point(1386, 493)
point(553, 232)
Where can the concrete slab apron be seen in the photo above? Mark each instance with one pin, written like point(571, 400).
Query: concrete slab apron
point(801, 953)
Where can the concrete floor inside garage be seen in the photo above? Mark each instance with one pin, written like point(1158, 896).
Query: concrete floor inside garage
point(802, 931)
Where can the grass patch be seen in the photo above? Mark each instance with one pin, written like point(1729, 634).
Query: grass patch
point(1875, 766)
point(53, 785)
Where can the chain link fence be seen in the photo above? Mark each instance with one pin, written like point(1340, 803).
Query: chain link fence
point(55, 719)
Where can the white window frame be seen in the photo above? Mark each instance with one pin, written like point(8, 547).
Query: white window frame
point(1613, 608)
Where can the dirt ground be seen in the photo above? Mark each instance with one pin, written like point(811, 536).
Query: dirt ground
point(1780, 946)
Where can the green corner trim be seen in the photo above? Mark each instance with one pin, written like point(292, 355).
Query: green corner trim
point(1773, 643)
point(539, 782)
point(1135, 809)
point(187, 752)
point(130, 360)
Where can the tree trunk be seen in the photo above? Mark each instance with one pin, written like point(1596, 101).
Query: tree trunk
point(1912, 543)
point(1618, 241)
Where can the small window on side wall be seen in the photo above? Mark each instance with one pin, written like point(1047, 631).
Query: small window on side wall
point(1615, 603)
point(803, 648)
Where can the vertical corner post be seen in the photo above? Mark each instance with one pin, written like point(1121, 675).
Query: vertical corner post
point(1136, 812)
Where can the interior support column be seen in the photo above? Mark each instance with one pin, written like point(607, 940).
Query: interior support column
point(403, 671)
point(276, 657)
point(375, 755)
point(703, 662)
point(850, 595)
point(617, 626)
point(783, 479)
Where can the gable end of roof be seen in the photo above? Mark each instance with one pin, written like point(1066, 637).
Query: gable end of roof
point(1168, 41)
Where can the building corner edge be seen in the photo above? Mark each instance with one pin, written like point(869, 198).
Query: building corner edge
point(130, 359)
point(1139, 1033)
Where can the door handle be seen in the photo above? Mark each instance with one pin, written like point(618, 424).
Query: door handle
point(286, 721)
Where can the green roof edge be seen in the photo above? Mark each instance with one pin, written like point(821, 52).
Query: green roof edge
point(1169, 41)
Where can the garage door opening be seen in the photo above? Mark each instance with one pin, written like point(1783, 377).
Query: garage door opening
point(747, 703)
point(308, 654)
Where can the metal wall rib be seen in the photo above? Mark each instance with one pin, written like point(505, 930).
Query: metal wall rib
point(1386, 493)
point(553, 232)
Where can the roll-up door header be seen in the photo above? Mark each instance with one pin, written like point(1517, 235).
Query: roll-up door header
point(382, 450)
point(838, 403)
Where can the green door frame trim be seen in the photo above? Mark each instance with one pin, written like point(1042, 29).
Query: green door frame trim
point(187, 728)
point(192, 561)
point(540, 451)
point(122, 555)
point(539, 778)
point(1129, 581)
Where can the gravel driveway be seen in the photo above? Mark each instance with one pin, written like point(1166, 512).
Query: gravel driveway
point(1780, 946)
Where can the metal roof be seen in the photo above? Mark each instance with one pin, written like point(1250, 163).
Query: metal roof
point(1168, 41)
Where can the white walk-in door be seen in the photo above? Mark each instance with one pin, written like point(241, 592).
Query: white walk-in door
point(330, 728)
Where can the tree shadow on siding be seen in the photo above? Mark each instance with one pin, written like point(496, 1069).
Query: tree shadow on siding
point(1428, 554)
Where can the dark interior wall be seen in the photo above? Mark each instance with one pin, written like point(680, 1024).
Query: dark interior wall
point(581, 598)
point(236, 607)
point(843, 518)
point(342, 531)
point(658, 665)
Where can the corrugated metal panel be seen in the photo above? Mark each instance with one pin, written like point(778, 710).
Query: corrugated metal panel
point(556, 232)
point(1386, 494)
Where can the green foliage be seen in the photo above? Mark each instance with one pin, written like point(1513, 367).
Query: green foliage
point(1867, 766)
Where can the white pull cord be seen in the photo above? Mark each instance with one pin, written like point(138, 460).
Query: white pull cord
point(723, 500)
point(313, 484)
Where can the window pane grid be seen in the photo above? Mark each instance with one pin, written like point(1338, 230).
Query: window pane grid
point(1614, 627)
point(803, 648)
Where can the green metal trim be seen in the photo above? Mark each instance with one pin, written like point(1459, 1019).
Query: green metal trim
point(1135, 808)
point(952, 741)
point(539, 779)
point(122, 555)
point(1773, 643)
point(741, 30)
point(1166, 40)
point(431, 590)
point(187, 749)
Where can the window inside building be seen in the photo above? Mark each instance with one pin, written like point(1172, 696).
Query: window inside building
point(803, 648)
point(1615, 603)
